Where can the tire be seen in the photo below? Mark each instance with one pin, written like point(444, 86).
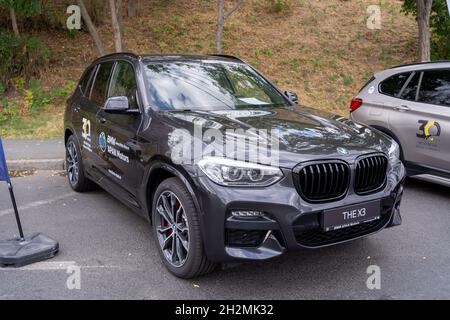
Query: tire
point(75, 168)
point(187, 262)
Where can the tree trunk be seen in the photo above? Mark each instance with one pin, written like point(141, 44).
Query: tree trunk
point(91, 27)
point(221, 17)
point(14, 21)
point(119, 4)
point(423, 21)
point(115, 26)
point(132, 8)
point(220, 23)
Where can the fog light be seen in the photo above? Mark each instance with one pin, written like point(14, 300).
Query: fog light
point(247, 213)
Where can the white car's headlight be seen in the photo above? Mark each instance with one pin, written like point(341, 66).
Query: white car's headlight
point(394, 152)
point(228, 172)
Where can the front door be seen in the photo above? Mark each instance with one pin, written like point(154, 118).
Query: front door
point(117, 135)
point(90, 124)
point(421, 120)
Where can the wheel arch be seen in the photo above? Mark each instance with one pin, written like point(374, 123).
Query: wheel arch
point(67, 133)
point(160, 169)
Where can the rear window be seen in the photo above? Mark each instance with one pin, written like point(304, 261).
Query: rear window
point(394, 84)
point(410, 91)
point(98, 94)
point(86, 81)
point(435, 87)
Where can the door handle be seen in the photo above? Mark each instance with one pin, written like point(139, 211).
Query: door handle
point(402, 108)
point(134, 147)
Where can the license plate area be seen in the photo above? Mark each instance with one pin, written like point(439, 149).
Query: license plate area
point(344, 217)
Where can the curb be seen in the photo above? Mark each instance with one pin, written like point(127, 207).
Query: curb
point(35, 164)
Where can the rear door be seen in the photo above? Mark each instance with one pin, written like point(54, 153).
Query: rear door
point(79, 106)
point(420, 119)
point(84, 118)
point(381, 105)
point(117, 133)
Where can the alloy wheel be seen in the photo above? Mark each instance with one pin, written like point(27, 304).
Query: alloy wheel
point(72, 163)
point(172, 228)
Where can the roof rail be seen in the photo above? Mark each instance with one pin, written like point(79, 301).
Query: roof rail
point(226, 56)
point(119, 54)
point(421, 63)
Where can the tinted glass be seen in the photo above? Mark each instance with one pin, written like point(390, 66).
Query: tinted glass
point(209, 86)
point(123, 83)
point(85, 82)
point(393, 85)
point(98, 94)
point(435, 88)
point(410, 91)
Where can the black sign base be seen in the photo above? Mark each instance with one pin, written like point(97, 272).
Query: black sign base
point(30, 249)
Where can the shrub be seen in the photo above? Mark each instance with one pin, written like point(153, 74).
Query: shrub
point(36, 99)
point(49, 14)
point(59, 94)
point(10, 112)
point(21, 57)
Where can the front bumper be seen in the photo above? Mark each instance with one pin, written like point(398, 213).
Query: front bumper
point(290, 224)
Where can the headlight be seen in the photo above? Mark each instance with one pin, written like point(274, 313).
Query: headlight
point(229, 172)
point(394, 152)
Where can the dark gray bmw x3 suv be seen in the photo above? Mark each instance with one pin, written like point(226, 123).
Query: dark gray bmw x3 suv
point(135, 125)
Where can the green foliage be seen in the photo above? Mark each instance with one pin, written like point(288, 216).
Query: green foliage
point(25, 8)
point(348, 80)
point(19, 83)
point(267, 52)
point(38, 98)
point(440, 27)
point(21, 57)
point(278, 6)
point(59, 94)
point(34, 105)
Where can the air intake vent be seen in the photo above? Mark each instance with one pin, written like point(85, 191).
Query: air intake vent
point(322, 182)
point(370, 174)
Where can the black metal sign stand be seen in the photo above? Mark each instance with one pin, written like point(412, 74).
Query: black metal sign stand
point(16, 212)
point(25, 250)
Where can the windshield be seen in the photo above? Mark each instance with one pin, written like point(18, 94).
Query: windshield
point(209, 86)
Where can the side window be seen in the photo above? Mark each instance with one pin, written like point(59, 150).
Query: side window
point(393, 85)
point(100, 88)
point(410, 92)
point(123, 83)
point(435, 87)
point(85, 81)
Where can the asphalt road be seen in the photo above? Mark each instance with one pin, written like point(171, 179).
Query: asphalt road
point(117, 256)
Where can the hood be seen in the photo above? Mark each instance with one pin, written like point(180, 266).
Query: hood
point(302, 133)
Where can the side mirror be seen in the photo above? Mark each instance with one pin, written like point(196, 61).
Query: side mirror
point(291, 95)
point(118, 104)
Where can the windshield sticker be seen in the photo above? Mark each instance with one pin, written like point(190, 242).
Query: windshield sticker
point(254, 101)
